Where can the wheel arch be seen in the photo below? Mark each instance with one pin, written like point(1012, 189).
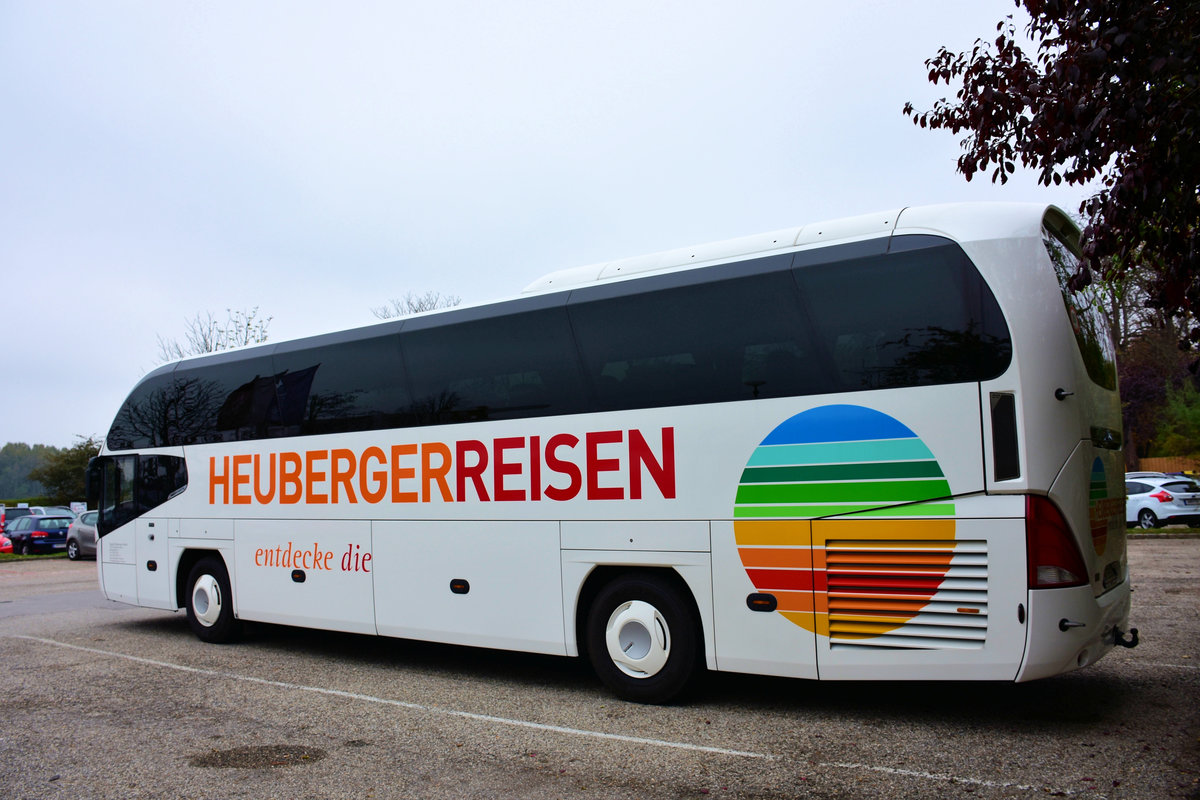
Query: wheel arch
point(188, 559)
point(603, 574)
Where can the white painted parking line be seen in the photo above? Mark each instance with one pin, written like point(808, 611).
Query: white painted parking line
point(1160, 664)
point(935, 776)
point(448, 712)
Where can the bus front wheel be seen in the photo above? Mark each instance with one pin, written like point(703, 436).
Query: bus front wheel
point(643, 638)
point(210, 602)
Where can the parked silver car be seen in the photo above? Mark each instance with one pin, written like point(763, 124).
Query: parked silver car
point(81, 536)
point(1151, 502)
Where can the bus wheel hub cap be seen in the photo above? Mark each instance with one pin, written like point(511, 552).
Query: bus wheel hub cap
point(638, 639)
point(206, 600)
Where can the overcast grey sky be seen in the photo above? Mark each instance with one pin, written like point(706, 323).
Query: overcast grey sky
point(163, 159)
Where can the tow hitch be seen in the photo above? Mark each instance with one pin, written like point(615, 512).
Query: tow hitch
point(1120, 638)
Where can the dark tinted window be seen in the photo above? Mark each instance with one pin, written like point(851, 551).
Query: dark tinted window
point(229, 398)
point(163, 410)
point(117, 505)
point(1133, 487)
point(129, 486)
point(731, 339)
point(919, 315)
point(504, 367)
point(1006, 462)
point(1085, 306)
point(241, 400)
point(158, 478)
point(348, 386)
point(1181, 486)
point(836, 319)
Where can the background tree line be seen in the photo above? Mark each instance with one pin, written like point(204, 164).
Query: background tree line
point(45, 474)
point(1159, 386)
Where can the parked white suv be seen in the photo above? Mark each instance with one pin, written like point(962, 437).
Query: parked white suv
point(1151, 502)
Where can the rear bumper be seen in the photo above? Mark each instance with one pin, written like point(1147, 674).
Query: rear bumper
point(1181, 519)
point(1053, 647)
point(1171, 514)
point(47, 545)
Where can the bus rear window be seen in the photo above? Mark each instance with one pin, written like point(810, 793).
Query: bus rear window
point(1084, 305)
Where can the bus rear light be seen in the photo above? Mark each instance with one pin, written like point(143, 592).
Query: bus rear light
point(1162, 497)
point(1053, 557)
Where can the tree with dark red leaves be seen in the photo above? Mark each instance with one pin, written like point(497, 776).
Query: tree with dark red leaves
point(1111, 95)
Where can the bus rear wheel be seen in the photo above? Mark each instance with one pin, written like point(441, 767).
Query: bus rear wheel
point(210, 602)
point(643, 639)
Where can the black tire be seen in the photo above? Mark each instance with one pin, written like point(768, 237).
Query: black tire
point(210, 602)
point(656, 628)
point(73, 550)
point(1147, 520)
point(26, 549)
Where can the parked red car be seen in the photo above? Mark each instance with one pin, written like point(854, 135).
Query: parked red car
point(5, 544)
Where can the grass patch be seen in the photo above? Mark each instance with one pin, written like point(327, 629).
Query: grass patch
point(14, 557)
point(1163, 531)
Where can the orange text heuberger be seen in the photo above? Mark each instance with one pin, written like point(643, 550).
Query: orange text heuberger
point(603, 465)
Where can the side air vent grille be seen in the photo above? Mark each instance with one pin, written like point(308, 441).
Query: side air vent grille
point(907, 594)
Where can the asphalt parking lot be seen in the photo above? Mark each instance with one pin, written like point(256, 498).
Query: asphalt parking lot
point(106, 701)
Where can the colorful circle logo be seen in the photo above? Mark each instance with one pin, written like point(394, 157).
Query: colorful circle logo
point(843, 514)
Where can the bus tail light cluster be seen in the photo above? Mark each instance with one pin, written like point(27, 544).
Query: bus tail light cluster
point(1053, 556)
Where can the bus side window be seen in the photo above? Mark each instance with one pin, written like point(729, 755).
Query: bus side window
point(704, 342)
point(502, 367)
point(116, 496)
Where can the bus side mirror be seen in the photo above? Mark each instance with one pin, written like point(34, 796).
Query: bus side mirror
point(93, 481)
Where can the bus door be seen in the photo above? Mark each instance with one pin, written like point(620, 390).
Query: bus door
point(132, 547)
point(313, 573)
point(151, 538)
point(111, 480)
point(764, 566)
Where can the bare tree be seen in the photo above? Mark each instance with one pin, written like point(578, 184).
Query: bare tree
point(413, 303)
point(205, 334)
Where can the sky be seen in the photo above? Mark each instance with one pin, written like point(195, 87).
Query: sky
point(160, 160)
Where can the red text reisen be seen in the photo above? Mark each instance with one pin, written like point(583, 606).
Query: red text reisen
point(603, 465)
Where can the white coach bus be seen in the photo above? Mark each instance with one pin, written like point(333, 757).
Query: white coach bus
point(885, 447)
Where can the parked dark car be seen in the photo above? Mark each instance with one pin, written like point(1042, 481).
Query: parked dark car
point(39, 533)
point(81, 536)
point(11, 514)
